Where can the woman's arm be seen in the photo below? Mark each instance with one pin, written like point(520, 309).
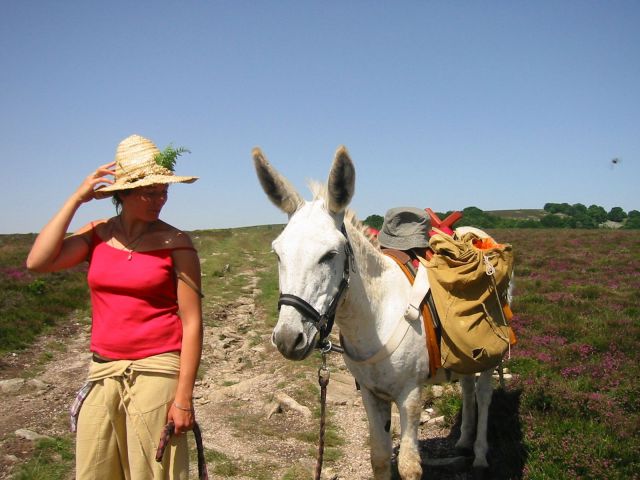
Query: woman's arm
point(51, 251)
point(187, 266)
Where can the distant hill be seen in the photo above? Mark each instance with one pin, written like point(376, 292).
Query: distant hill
point(552, 216)
point(520, 214)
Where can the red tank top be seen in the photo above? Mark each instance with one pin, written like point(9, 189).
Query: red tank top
point(134, 302)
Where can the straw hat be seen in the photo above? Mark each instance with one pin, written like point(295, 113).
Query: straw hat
point(405, 228)
point(136, 167)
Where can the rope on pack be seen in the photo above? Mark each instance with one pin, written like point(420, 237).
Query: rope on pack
point(490, 270)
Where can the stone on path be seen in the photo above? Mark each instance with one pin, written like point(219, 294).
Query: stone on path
point(13, 385)
point(285, 402)
point(342, 389)
point(30, 435)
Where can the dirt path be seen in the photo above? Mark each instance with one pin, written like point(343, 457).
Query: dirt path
point(38, 386)
point(256, 410)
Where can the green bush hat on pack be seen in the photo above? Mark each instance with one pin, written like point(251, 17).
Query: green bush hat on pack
point(405, 228)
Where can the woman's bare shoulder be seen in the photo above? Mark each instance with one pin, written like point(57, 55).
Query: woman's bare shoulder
point(98, 226)
point(173, 237)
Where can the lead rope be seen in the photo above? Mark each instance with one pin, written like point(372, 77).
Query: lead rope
point(326, 347)
point(165, 437)
point(323, 380)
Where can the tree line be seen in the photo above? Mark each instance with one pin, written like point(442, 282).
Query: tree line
point(554, 215)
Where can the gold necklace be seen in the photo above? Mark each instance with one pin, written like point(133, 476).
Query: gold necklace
point(130, 246)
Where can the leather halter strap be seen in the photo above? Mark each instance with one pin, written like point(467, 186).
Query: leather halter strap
point(322, 321)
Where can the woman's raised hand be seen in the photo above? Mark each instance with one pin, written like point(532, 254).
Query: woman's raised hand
point(51, 251)
point(86, 190)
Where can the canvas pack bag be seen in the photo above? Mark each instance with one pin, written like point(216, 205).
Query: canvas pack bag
point(469, 278)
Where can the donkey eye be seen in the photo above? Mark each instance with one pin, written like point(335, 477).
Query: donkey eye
point(328, 256)
point(276, 254)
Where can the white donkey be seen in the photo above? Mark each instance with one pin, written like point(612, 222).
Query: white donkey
point(328, 266)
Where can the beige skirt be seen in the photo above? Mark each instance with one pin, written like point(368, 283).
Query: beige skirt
point(121, 420)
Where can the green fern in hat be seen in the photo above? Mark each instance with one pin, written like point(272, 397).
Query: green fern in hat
point(167, 158)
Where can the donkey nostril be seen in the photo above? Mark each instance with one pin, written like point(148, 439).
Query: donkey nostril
point(291, 341)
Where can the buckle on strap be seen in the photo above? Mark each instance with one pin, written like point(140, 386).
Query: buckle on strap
point(412, 313)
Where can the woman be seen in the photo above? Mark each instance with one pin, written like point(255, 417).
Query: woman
point(146, 337)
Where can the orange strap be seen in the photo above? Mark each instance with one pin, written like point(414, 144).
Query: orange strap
point(430, 334)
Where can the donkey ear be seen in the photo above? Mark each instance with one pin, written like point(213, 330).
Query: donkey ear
point(342, 180)
point(277, 188)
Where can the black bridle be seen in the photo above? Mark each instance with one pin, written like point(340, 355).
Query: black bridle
point(322, 321)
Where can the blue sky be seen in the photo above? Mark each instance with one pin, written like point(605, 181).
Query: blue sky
point(445, 105)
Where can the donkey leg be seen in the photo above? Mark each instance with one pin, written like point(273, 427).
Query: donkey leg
point(484, 391)
point(379, 416)
point(468, 426)
point(410, 406)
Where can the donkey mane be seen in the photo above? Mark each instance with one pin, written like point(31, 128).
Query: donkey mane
point(359, 235)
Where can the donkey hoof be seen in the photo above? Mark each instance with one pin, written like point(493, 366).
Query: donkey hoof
point(450, 464)
point(480, 473)
point(464, 451)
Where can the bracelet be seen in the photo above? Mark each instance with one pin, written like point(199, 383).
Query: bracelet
point(182, 408)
